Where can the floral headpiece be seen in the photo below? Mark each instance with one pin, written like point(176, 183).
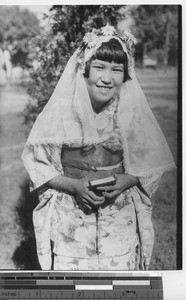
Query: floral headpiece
point(94, 39)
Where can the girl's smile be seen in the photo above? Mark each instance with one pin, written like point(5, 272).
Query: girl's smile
point(105, 80)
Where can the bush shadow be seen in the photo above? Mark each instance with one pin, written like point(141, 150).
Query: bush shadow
point(25, 255)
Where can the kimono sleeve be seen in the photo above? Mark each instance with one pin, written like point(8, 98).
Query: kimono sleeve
point(42, 162)
point(150, 183)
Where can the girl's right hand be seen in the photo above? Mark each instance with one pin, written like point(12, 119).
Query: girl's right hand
point(84, 196)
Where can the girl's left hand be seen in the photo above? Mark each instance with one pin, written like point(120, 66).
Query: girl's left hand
point(123, 182)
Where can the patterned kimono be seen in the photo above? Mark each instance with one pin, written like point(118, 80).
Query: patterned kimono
point(118, 235)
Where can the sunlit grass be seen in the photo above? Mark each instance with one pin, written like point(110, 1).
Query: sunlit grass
point(160, 89)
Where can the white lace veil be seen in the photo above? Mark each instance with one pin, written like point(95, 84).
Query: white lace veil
point(68, 118)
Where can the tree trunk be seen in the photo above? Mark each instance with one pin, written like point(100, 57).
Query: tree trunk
point(166, 49)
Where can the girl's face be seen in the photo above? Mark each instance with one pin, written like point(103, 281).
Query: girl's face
point(105, 80)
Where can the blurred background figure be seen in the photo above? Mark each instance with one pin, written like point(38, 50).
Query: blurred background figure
point(8, 66)
point(2, 68)
point(5, 67)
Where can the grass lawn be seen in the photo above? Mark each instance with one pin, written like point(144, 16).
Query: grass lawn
point(161, 91)
point(17, 238)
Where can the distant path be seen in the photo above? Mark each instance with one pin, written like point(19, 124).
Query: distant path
point(12, 99)
point(11, 147)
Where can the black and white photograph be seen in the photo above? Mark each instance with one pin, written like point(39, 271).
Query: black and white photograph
point(90, 137)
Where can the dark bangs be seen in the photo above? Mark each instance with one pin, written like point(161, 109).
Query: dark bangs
point(110, 51)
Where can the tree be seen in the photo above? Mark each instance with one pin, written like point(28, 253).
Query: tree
point(156, 27)
point(68, 26)
point(17, 28)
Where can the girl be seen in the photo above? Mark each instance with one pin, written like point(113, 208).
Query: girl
point(95, 155)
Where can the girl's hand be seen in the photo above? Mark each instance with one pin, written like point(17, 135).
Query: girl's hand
point(123, 182)
point(84, 196)
point(79, 188)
